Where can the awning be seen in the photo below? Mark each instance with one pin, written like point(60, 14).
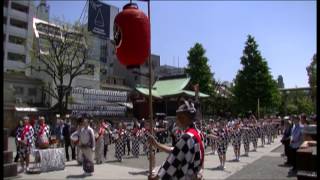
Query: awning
point(26, 109)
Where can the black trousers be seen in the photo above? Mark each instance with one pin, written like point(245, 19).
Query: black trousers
point(286, 144)
point(128, 146)
point(73, 150)
point(16, 159)
point(293, 157)
point(105, 150)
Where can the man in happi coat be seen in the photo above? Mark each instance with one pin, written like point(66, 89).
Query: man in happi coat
point(185, 160)
point(87, 146)
point(25, 139)
point(42, 134)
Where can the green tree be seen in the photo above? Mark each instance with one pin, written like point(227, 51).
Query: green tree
point(199, 70)
point(312, 74)
point(254, 82)
point(296, 102)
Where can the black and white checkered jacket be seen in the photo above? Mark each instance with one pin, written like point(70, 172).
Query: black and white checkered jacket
point(184, 162)
point(29, 135)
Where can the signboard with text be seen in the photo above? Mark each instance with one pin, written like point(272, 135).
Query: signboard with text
point(99, 18)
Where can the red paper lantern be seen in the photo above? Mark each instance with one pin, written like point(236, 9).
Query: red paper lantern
point(132, 36)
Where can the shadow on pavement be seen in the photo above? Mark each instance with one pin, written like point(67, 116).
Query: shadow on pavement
point(73, 165)
point(139, 173)
point(233, 160)
point(113, 161)
point(218, 169)
point(80, 176)
point(284, 165)
point(215, 169)
point(130, 157)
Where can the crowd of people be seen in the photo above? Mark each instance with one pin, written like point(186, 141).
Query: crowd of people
point(90, 139)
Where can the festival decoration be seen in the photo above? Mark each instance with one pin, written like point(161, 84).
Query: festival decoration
point(132, 36)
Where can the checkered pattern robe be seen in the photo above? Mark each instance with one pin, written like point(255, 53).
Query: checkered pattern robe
point(262, 133)
point(184, 162)
point(254, 136)
point(236, 138)
point(119, 145)
point(38, 129)
point(246, 138)
point(135, 142)
point(29, 138)
point(222, 141)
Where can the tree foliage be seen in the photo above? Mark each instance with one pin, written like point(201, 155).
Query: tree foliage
point(296, 102)
point(254, 82)
point(312, 74)
point(61, 54)
point(199, 70)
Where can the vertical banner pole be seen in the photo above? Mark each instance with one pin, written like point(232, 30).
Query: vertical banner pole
point(151, 155)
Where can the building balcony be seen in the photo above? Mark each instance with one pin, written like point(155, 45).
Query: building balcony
point(17, 31)
point(19, 15)
point(12, 64)
point(25, 3)
point(16, 48)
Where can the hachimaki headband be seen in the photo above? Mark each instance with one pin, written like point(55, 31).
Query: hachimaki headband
point(187, 107)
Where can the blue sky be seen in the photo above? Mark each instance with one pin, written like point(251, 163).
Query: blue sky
point(285, 32)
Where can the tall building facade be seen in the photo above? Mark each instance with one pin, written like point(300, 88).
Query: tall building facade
point(17, 37)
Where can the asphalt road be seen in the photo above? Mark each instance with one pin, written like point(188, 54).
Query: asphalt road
point(267, 167)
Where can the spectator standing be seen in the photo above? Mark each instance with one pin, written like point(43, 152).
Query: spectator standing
point(295, 142)
point(286, 138)
point(66, 133)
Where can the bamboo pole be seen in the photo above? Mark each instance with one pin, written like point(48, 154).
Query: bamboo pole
point(151, 155)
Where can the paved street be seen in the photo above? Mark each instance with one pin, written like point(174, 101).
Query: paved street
point(261, 164)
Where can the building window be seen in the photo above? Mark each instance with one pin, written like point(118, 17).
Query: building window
point(135, 78)
point(90, 67)
point(19, 7)
point(32, 92)
point(4, 20)
point(18, 90)
point(114, 81)
point(17, 40)
point(103, 51)
point(18, 23)
point(16, 57)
